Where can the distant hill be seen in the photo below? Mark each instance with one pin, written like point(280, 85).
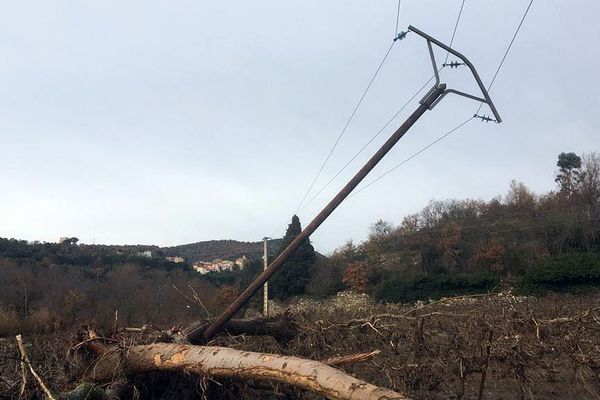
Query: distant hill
point(86, 255)
point(224, 249)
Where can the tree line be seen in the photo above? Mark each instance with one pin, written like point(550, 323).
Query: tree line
point(48, 286)
point(461, 246)
point(507, 237)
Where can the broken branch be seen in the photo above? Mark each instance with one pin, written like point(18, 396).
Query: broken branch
point(25, 359)
point(351, 359)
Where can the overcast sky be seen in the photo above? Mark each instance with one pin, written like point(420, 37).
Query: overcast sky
point(169, 122)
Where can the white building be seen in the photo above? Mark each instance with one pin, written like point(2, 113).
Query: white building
point(242, 262)
point(205, 267)
point(176, 259)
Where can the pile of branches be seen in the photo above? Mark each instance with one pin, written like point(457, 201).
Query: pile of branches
point(464, 347)
point(111, 366)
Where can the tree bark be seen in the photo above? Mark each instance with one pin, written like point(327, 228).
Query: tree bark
point(223, 362)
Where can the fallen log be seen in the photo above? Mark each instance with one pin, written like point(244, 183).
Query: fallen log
point(223, 362)
point(283, 330)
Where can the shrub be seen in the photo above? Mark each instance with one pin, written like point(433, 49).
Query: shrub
point(43, 320)
point(10, 323)
point(434, 287)
point(326, 280)
point(571, 272)
point(226, 294)
point(356, 278)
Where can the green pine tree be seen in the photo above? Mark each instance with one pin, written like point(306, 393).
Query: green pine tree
point(569, 174)
point(293, 276)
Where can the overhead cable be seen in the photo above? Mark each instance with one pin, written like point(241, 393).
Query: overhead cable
point(462, 6)
point(345, 126)
point(507, 50)
point(389, 121)
point(397, 18)
point(439, 139)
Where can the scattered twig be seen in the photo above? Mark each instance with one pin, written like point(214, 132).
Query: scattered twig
point(351, 359)
point(141, 329)
point(460, 390)
point(25, 359)
point(138, 330)
point(444, 315)
point(92, 339)
point(195, 299)
point(537, 328)
point(488, 350)
point(375, 318)
point(446, 299)
point(199, 301)
point(570, 319)
point(23, 374)
point(8, 383)
point(116, 321)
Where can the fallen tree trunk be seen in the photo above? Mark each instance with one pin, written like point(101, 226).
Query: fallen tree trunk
point(283, 330)
point(223, 362)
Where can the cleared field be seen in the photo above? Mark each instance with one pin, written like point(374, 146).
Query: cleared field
point(493, 346)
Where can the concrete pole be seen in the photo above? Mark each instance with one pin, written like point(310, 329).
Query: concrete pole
point(425, 104)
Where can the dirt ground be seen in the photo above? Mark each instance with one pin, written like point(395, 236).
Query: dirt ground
point(525, 348)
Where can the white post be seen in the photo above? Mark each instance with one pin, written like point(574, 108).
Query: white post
point(266, 285)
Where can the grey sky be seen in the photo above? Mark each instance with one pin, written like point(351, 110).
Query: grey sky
point(173, 122)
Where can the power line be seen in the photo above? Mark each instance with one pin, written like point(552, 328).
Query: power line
point(361, 150)
point(510, 44)
point(414, 155)
point(458, 18)
point(366, 144)
point(346, 126)
point(480, 105)
point(397, 18)
point(455, 28)
point(507, 51)
point(356, 155)
point(433, 97)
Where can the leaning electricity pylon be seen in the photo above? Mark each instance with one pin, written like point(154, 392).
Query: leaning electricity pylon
point(430, 100)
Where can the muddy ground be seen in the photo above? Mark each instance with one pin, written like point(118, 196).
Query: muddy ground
point(527, 348)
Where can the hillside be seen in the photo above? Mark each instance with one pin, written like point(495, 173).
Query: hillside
point(223, 249)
